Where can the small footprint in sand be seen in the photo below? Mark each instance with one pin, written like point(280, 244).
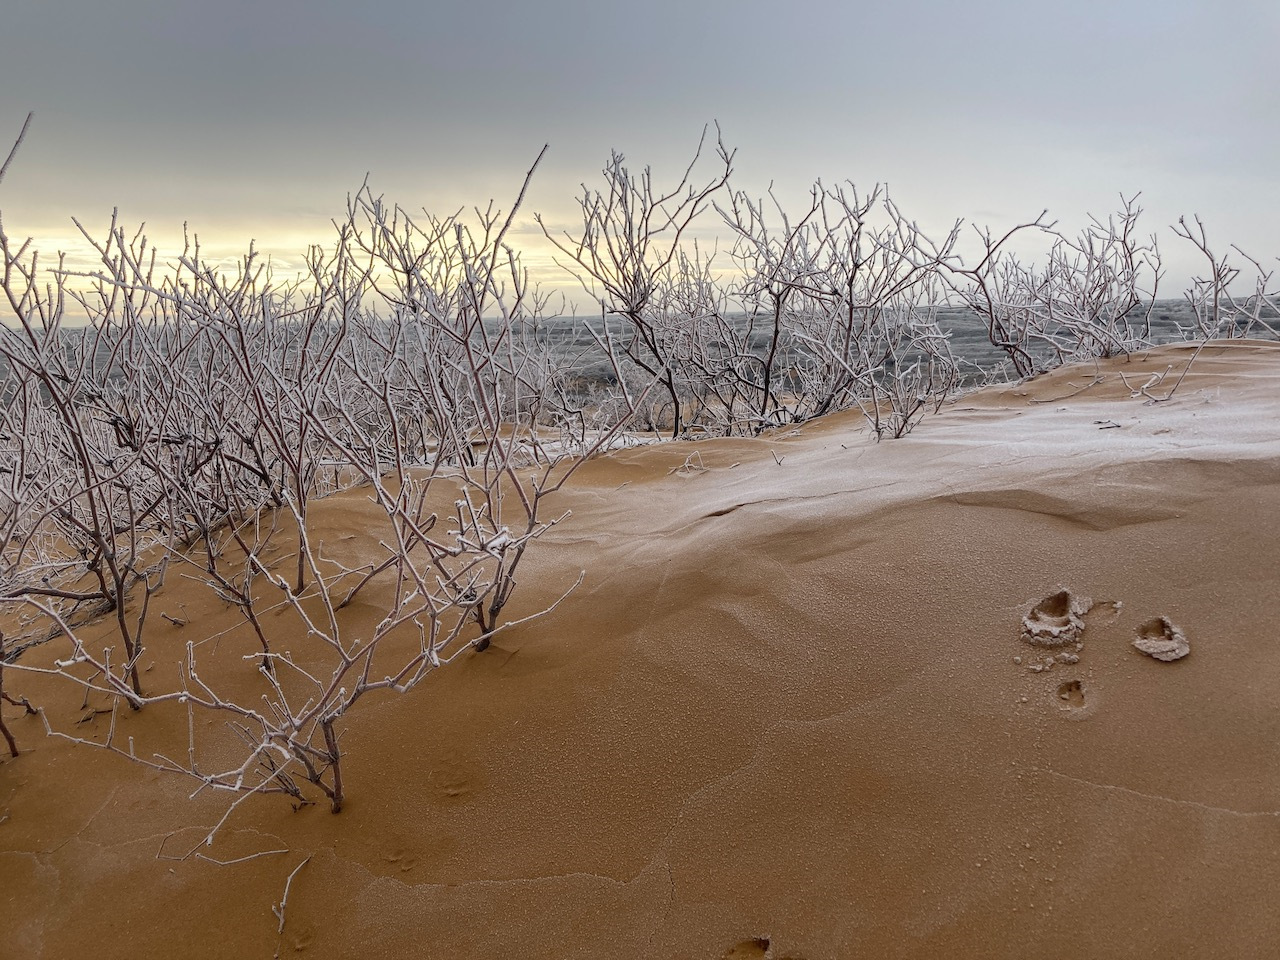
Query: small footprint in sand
point(451, 779)
point(454, 786)
point(303, 940)
point(1071, 694)
point(1161, 639)
point(1056, 621)
point(754, 949)
point(405, 861)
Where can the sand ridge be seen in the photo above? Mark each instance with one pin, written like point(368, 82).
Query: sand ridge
point(781, 716)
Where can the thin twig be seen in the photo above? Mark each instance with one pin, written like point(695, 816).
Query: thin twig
point(17, 143)
point(278, 909)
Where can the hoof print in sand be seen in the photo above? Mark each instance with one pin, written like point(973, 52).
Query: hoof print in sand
point(1160, 639)
point(1055, 621)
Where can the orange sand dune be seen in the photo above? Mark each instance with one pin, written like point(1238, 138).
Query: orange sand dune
point(789, 713)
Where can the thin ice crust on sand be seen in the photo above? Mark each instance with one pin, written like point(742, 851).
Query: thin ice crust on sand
point(1161, 639)
point(1056, 621)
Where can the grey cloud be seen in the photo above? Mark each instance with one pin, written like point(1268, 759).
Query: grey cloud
point(267, 113)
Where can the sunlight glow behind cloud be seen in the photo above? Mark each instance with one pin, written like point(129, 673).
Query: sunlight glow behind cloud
point(254, 121)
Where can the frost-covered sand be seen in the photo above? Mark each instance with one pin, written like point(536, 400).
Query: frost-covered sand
point(790, 712)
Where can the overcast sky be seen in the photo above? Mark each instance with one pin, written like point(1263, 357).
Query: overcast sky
point(255, 118)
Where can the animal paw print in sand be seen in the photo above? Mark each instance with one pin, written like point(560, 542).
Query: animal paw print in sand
point(1071, 695)
point(756, 948)
point(1055, 621)
point(1161, 639)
